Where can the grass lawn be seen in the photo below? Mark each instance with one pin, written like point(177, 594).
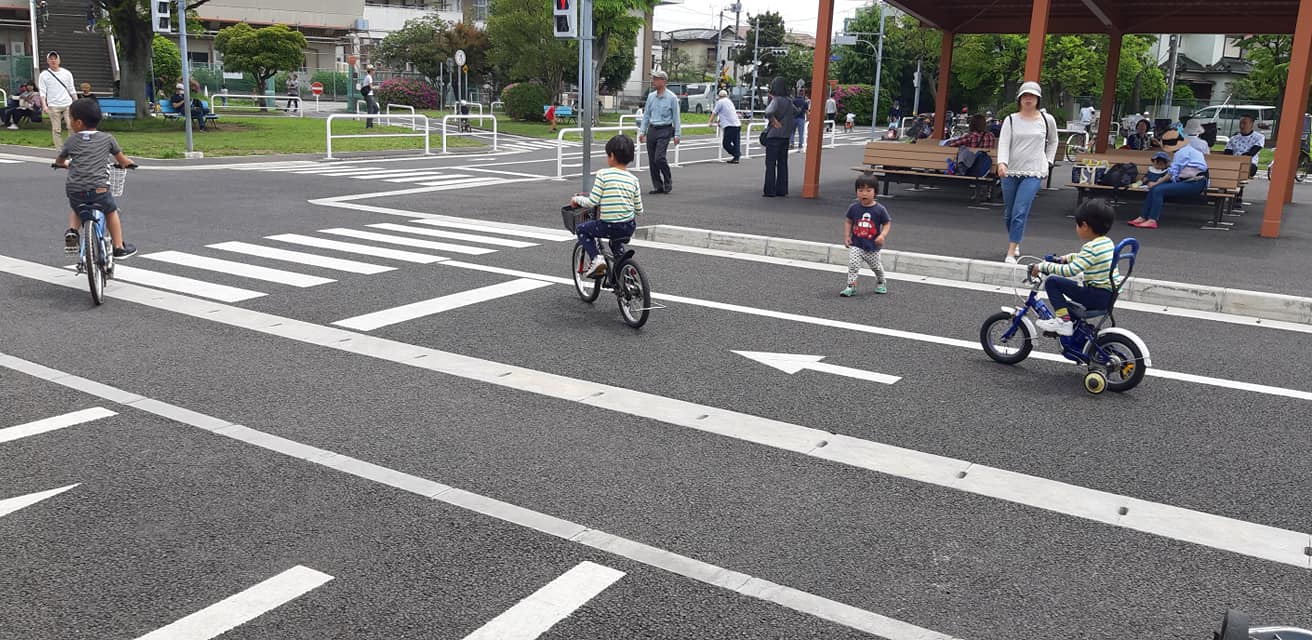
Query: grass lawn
point(235, 136)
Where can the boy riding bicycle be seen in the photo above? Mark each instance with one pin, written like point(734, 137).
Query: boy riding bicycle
point(86, 155)
point(1093, 220)
point(619, 196)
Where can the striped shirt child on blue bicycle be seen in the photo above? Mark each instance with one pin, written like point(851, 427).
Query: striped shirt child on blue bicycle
point(618, 194)
point(1093, 220)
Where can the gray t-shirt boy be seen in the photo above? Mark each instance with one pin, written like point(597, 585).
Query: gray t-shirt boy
point(89, 154)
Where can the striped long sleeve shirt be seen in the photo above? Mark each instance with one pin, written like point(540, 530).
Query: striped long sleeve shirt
point(1094, 261)
point(617, 192)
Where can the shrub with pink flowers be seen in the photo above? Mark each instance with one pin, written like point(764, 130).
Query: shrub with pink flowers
point(856, 99)
point(408, 91)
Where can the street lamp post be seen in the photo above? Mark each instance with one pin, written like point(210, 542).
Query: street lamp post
point(851, 38)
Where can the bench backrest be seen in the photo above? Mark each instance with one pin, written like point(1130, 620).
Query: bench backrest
point(1223, 172)
point(913, 156)
point(165, 106)
point(118, 106)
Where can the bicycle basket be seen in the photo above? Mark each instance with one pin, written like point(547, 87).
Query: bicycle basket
point(573, 217)
point(117, 177)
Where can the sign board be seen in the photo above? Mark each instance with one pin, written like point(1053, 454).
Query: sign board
point(233, 75)
point(845, 40)
point(316, 88)
point(460, 57)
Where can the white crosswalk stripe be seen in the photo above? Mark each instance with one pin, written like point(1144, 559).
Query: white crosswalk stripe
point(362, 249)
point(409, 242)
point(6, 161)
point(190, 286)
point(445, 178)
point(300, 257)
point(451, 235)
point(238, 269)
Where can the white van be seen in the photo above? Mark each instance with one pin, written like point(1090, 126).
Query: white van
point(701, 96)
point(1227, 117)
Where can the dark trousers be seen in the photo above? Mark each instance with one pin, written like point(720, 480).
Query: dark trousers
point(370, 106)
point(733, 141)
point(658, 142)
point(1060, 290)
point(776, 166)
point(617, 232)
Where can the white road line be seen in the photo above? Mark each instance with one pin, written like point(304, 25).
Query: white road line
point(465, 184)
point(238, 269)
point(54, 423)
point(240, 608)
point(431, 176)
point(452, 235)
point(410, 192)
point(409, 242)
point(362, 249)
point(534, 615)
point(395, 173)
point(502, 173)
point(450, 222)
point(300, 257)
point(10, 505)
point(4, 161)
point(222, 293)
point(1219, 532)
point(396, 315)
point(655, 557)
point(334, 171)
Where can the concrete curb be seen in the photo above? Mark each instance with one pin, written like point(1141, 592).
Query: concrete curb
point(1257, 304)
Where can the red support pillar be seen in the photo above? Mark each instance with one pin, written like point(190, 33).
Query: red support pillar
point(1291, 123)
point(1038, 33)
point(819, 93)
point(944, 74)
point(1109, 90)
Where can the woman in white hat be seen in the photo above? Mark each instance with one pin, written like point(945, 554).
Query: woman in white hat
point(1027, 146)
point(1193, 130)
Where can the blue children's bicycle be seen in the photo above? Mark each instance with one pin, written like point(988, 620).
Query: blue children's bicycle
point(95, 251)
point(1115, 358)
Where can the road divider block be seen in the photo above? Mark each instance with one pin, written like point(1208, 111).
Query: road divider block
point(1178, 295)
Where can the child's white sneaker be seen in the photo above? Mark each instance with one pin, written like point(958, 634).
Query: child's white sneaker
point(596, 268)
point(1009, 259)
point(1057, 326)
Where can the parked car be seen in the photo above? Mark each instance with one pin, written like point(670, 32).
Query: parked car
point(679, 90)
point(1226, 117)
point(699, 97)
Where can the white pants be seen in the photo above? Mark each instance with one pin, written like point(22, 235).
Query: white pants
point(856, 256)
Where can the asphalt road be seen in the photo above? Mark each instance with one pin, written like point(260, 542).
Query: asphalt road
point(168, 518)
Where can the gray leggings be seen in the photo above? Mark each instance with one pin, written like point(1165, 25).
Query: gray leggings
point(855, 256)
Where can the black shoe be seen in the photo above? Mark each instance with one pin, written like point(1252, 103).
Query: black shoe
point(70, 241)
point(734, 161)
point(124, 253)
point(767, 195)
point(668, 189)
point(655, 191)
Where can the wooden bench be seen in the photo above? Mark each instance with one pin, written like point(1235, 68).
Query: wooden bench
point(166, 109)
point(118, 109)
point(1226, 178)
point(919, 163)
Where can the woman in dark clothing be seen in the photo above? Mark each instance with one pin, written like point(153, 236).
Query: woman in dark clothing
point(780, 116)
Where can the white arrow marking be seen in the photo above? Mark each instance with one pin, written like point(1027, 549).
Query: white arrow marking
point(52, 424)
point(10, 505)
point(236, 610)
point(791, 363)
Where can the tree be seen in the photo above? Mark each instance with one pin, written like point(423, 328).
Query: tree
point(167, 60)
point(260, 52)
point(523, 46)
point(1269, 56)
point(796, 65)
point(773, 33)
point(420, 42)
point(130, 20)
point(619, 65)
point(905, 42)
point(678, 64)
point(614, 24)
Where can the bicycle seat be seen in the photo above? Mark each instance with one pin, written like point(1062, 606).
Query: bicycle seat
point(1078, 310)
point(87, 211)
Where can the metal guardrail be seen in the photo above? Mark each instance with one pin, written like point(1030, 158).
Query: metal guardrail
point(363, 116)
point(4, 99)
point(414, 118)
point(636, 120)
point(480, 117)
point(747, 145)
point(493, 106)
point(560, 148)
point(677, 147)
point(262, 103)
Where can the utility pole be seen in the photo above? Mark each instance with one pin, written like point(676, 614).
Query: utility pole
point(587, 92)
point(756, 58)
point(737, 8)
point(186, 72)
point(879, 69)
point(915, 108)
point(1173, 59)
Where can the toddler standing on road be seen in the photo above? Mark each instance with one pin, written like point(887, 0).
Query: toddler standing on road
point(864, 231)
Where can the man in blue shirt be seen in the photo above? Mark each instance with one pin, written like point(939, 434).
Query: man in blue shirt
point(1186, 178)
point(660, 122)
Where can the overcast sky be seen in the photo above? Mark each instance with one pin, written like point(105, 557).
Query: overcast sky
point(799, 15)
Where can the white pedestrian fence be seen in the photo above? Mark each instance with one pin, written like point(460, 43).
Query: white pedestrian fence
point(259, 103)
point(480, 117)
point(361, 116)
point(413, 118)
point(493, 106)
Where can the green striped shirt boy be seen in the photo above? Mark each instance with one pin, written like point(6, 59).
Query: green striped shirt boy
point(1094, 260)
point(618, 193)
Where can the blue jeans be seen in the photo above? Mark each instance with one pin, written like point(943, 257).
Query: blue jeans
point(800, 133)
point(1060, 290)
point(1017, 196)
point(1152, 205)
point(617, 232)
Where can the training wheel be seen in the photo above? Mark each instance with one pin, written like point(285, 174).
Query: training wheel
point(1095, 382)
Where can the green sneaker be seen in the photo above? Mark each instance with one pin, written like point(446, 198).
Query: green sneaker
point(848, 292)
point(881, 287)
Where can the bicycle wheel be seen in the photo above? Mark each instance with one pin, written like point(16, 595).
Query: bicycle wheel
point(1126, 368)
point(1010, 350)
point(633, 294)
point(1074, 147)
point(91, 261)
point(587, 288)
point(1304, 166)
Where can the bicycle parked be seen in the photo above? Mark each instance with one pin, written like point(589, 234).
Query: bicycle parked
point(622, 275)
point(1115, 358)
point(1236, 626)
point(95, 251)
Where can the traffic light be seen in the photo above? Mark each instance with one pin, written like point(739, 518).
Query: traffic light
point(161, 16)
point(566, 18)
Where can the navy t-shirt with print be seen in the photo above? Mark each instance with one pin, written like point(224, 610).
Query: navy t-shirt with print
point(878, 215)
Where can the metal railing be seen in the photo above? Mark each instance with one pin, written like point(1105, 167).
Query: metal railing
point(480, 117)
point(747, 145)
point(413, 117)
point(493, 106)
point(636, 120)
point(560, 148)
point(685, 127)
point(262, 103)
point(361, 116)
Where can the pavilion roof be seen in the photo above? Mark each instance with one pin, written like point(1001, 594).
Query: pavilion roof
point(1101, 16)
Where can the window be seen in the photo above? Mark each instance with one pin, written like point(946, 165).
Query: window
point(480, 10)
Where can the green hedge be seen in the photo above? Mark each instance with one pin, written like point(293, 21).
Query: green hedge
point(524, 100)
